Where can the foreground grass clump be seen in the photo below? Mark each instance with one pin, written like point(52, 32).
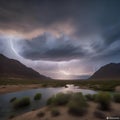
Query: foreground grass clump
point(19, 103)
point(104, 99)
point(77, 104)
point(37, 96)
point(89, 97)
point(55, 112)
point(59, 99)
point(116, 97)
point(50, 100)
point(13, 99)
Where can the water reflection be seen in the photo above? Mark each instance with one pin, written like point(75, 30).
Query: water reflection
point(6, 107)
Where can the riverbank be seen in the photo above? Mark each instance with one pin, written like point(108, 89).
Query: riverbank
point(14, 88)
point(64, 115)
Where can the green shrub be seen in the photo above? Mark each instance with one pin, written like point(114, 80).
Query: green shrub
point(55, 112)
point(95, 97)
point(50, 100)
point(13, 99)
point(59, 99)
point(37, 96)
point(19, 103)
point(104, 99)
point(44, 85)
point(77, 105)
point(116, 97)
point(89, 97)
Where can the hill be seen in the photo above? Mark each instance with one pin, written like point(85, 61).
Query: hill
point(109, 71)
point(13, 68)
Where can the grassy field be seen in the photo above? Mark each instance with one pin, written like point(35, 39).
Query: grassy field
point(104, 85)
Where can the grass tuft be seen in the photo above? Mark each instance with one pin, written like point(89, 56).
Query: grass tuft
point(104, 99)
point(89, 97)
point(77, 105)
point(59, 99)
point(37, 96)
point(19, 103)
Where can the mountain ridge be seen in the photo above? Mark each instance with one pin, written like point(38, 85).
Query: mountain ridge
point(13, 68)
point(108, 71)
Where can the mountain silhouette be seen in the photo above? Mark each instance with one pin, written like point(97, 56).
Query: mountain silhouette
point(13, 68)
point(109, 71)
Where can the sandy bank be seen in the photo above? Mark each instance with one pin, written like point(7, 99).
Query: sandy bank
point(14, 88)
point(64, 115)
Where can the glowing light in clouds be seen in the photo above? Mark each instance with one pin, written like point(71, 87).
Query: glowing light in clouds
point(64, 72)
point(11, 39)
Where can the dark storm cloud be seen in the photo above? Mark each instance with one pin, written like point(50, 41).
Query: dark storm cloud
point(27, 15)
point(96, 25)
point(87, 16)
point(48, 47)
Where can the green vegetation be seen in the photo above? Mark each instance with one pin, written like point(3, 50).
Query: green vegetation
point(59, 99)
point(13, 99)
point(103, 85)
point(50, 100)
point(19, 103)
point(37, 96)
point(104, 99)
point(116, 97)
point(89, 97)
point(77, 104)
point(55, 112)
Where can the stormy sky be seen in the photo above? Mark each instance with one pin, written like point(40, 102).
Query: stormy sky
point(63, 39)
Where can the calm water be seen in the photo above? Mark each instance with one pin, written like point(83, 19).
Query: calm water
point(6, 108)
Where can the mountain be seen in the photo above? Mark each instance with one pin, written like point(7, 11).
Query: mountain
point(13, 68)
point(109, 71)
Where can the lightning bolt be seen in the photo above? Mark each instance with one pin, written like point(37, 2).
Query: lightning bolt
point(12, 46)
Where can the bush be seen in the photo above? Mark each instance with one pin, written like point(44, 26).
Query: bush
point(19, 103)
point(37, 96)
point(44, 85)
point(40, 114)
point(55, 112)
point(77, 105)
point(89, 97)
point(13, 99)
point(95, 97)
point(50, 100)
point(116, 97)
point(104, 99)
point(59, 99)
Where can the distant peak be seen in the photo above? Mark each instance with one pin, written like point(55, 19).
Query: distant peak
point(109, 71)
